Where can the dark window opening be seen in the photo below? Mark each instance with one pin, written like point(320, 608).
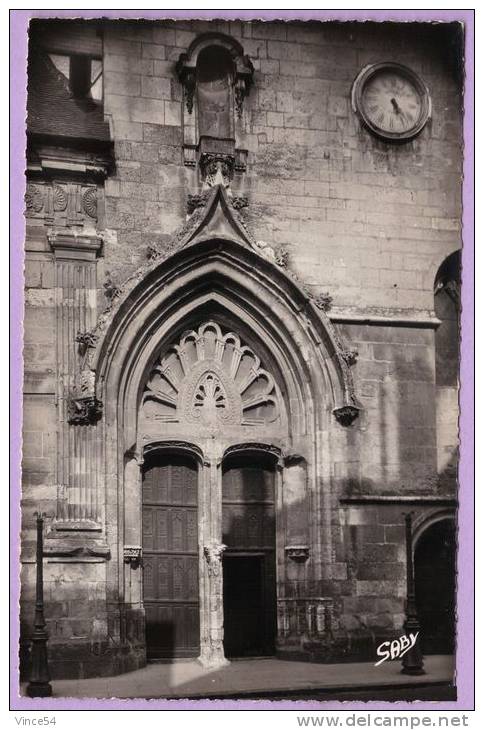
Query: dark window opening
point(84, 74)
point(447, 307)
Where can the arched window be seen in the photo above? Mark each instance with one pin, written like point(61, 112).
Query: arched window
point(447, 305)
point(447, 309)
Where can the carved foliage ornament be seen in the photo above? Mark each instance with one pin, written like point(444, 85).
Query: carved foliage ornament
point(210, 378)
point(213, 555)
point(217, 169)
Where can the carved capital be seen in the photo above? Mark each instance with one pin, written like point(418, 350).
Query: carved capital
point(346, 414)
point(132, 555)
point(213, 555)
point(298, 553)
point(84, 410)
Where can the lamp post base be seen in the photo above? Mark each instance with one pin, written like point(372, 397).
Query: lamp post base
point(43, 689)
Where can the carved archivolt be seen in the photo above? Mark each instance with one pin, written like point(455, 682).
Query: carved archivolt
point(212, 379)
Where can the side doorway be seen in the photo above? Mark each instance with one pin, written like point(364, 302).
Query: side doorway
point(249, 575)
point(435, 586)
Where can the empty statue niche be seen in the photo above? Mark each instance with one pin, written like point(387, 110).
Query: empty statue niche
point(214, 94)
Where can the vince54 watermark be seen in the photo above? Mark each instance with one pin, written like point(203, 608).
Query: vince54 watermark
point(396, 648)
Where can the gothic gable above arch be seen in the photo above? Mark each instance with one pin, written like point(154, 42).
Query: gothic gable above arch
point(213, 252)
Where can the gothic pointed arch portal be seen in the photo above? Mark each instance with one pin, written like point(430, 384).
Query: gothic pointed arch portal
point(212, 350)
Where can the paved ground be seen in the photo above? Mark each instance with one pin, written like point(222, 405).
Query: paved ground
point(269, 678)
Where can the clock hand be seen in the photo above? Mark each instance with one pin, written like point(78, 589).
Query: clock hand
point(395, 106)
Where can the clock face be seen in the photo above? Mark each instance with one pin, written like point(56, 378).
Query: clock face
point(391, 100)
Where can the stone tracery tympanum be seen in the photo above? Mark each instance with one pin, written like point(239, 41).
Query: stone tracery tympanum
point(210, 378)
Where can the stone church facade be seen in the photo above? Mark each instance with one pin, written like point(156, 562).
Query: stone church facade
point(241, 341)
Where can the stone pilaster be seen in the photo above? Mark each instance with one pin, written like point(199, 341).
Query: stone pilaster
point(78, 451)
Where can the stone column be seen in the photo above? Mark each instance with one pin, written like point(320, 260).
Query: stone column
point(78, 449)
point(212, 616)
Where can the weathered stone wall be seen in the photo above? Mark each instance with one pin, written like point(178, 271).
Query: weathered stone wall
point(367, 220)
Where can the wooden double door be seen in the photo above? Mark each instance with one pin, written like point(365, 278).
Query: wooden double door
point(170, 557)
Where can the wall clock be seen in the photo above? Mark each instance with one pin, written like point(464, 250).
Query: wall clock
point(391, 100)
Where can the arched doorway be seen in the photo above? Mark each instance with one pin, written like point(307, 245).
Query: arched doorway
point(249, 565)
point(170, 555)
point(435, 585)
point(214, 347)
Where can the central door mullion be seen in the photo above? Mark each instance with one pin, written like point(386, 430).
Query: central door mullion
point(211, 635)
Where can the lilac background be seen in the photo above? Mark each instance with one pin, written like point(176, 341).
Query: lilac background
point(19, 20)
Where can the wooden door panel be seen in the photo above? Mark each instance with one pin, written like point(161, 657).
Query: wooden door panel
point(248, 529)
point(170, 558)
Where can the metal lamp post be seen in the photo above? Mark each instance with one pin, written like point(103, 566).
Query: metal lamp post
point(39, 684)
point(412, 661)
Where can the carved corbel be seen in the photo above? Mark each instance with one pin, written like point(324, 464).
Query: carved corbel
point(84, 410)
point(217, 168)
point(298, 553)
point(346, 414)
